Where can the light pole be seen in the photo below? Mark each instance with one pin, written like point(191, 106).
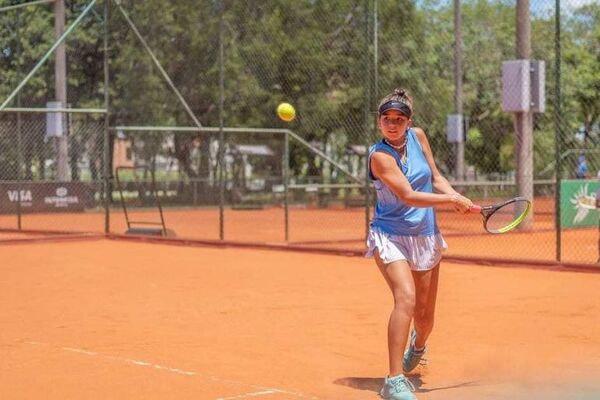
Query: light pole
point(524, 120)
point(60, 85)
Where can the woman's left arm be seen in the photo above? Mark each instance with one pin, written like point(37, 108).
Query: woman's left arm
point(440, 183)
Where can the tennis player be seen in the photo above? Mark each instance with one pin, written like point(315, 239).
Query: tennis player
point(404, 237)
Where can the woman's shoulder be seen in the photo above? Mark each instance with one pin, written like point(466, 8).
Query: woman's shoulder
point(377, 146)
point(419, 132)
point(381, 147)
point(420, 135)
point(382, 153)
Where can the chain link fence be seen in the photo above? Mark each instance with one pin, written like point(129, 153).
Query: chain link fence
point(229, 64)
point(33, 198)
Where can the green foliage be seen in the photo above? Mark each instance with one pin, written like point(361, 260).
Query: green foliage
point(582, 61)
point(315, 54)
point(26, 35)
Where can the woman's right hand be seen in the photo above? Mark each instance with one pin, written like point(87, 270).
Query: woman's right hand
point(461, 203)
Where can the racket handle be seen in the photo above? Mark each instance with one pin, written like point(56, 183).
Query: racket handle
point(475, 209)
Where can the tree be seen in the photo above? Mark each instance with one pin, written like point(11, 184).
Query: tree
point(582, 66)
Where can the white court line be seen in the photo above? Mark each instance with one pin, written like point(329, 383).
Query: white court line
point(89, 353)
point(262, 390)
point(129, 361)
point(255, 394)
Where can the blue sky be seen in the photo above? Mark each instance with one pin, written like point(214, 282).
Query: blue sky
point(544, 8)
point(536, 5)
point(567, 6)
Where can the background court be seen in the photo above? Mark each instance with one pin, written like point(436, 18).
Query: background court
point(345, 229)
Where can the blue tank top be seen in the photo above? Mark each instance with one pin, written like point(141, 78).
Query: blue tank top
point(391, 215)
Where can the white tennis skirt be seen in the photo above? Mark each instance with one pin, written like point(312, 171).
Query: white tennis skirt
point(421, 252)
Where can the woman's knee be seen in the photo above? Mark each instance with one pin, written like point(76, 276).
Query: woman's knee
point(405, 300)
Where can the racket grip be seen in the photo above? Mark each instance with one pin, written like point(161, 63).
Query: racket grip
point(475, 209)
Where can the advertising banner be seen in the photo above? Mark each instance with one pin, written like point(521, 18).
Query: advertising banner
point(578, 203)
point(45, 197)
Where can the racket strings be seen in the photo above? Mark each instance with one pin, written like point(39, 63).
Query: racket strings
point(507, 217)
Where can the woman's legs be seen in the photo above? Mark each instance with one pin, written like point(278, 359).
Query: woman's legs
point(426, 287)
point(398, 277)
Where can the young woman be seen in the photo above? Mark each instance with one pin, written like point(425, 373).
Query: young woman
point(404, 238)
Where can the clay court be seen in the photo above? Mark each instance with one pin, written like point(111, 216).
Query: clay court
point(167, 232)
point(345, 230)
point(102, 319)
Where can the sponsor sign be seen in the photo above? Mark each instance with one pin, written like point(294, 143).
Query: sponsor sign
point(45, 197)
point(578, 203)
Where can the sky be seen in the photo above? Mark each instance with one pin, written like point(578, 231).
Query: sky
point(567, 6)
point(564, 4)
point(543, 8)
point(577, 3)
point(534, 4)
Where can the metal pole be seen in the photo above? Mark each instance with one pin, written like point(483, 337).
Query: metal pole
point(524, 120)
point(55, 110)
point(60, 85)
point(106, 136)
point(19, 125)
point(221, 132)
point(158, 64)
point(557, 129)
point(458, 88)
point(375, 93)
point(367, 107)
point(47, 55)
point(177, 129)
point(323, 155)
point(31, 3)
point(286, 166)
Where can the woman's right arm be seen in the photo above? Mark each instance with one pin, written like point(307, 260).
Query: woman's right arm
point(384, 168)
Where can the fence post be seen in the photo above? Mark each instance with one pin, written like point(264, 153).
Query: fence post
point(558, 135)
point(106, 140)
point(286, 164)
point(221, 161)
point(194, 192)
point(370, 68)
point(19, 126)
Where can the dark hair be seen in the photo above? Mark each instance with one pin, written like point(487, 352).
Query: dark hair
point(399, 95)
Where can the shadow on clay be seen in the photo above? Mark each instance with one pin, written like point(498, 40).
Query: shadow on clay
point(375, 384)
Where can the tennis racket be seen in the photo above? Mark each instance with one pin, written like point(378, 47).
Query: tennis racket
point(503, 217)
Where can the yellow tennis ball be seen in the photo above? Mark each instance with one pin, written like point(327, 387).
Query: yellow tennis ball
point(286, 112)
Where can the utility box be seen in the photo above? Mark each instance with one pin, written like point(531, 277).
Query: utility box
point(538, 86)
point(55, 126)
point(516, 91)
point(523, 86)
point(454, 129)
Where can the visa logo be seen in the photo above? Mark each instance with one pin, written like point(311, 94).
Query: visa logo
point(13, 195)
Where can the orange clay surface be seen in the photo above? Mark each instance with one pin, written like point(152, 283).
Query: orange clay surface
point(334, 227)
point(119, 320)
point(17, 235)
point(306, 224)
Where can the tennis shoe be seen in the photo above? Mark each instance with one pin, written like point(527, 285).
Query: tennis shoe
point(412, 357)
point(397, 388)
